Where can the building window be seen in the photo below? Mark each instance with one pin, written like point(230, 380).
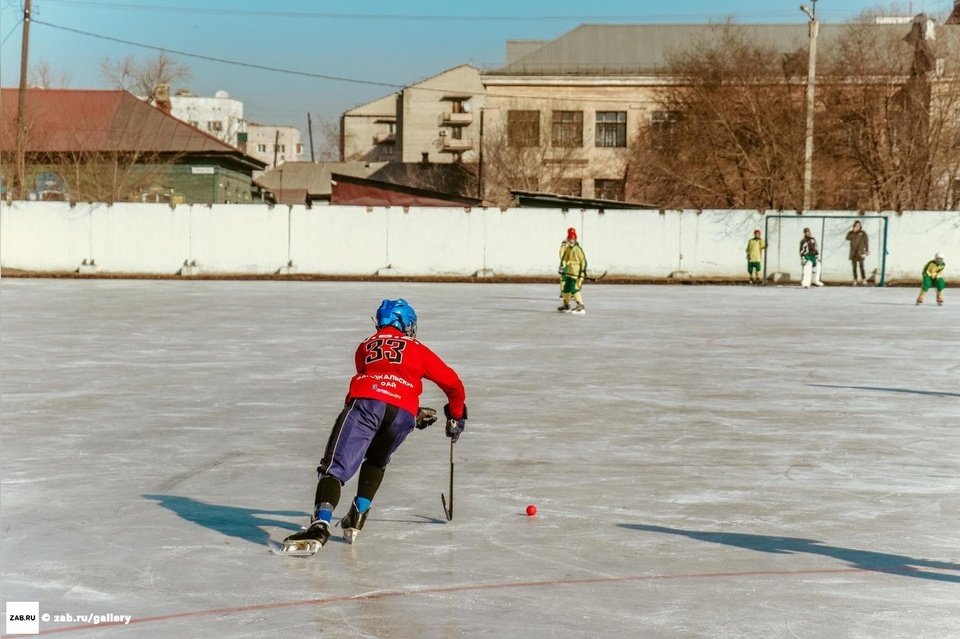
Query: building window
point(569, 186)
point(567, 129)
point(457, 106)
point(608, 189)
point(662, 124)
point(261, 148)
point(456, 132)
point(523, 128)
point(299, 148)
point(214, 125)
point(611, 128)
point(282, 148)
point(156, 194)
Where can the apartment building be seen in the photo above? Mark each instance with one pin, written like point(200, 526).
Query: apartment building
point(368, 132)
point(435, 120)
point(274, 144)
point(221, 116)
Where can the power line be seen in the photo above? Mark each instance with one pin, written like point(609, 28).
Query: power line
point(301, 15)
point(307, 74)
point(319, 76)
point(7, 37)
point(249, 65)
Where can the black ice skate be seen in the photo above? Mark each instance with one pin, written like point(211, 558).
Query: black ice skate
point(353, 523)
point(564, 308)
point(579, 310)
point(307, 541)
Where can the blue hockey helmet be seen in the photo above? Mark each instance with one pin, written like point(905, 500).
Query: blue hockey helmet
point(397, 313)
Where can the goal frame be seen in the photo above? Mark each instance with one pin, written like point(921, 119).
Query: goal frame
point(823, 223)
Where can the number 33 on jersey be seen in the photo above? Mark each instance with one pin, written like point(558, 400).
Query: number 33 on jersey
point(391, 365)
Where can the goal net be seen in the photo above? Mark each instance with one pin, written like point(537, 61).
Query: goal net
point(783, 234)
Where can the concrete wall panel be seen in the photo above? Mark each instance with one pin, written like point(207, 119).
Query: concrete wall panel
point(424, 241)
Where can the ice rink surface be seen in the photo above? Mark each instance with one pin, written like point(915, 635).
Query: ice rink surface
point(707, 462)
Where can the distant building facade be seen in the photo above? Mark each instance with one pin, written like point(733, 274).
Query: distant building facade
point(580, 104)
point(436, 120)
point(590, 95)
point(220, 116)
point(274, 144)
point(368, 132)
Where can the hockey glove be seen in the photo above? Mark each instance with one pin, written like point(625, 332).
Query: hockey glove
point(455, 426)
point(426, 417)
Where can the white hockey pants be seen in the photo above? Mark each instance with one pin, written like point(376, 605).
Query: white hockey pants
point(811, 275)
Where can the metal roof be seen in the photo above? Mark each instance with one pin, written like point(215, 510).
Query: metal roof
point(609, 49)
point(80, 120)
point(313, 177)
point(543, 200)
point(516, 49)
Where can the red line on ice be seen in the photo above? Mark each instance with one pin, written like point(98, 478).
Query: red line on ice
point(385, 594)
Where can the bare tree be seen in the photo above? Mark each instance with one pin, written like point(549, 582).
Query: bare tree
point(82, 168)
point(729, 134)
point(42, 75)
point(91, 174)
point(522, 152)
point(142, 77)
point(327, 138)
point(894, 117)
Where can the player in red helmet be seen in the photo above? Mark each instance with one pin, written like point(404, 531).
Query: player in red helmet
point(572, 270)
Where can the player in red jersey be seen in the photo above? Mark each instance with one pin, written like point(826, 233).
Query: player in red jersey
point(381, 409)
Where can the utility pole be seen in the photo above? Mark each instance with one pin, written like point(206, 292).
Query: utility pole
point(811, 104)
point(310, 133)
point(276, 146)
point(21, 105)
point(480, 162)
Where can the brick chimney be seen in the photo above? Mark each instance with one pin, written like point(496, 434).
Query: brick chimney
point(161, 95)
point(954, 17)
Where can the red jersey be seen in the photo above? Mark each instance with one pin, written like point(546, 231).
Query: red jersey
point(391, 367)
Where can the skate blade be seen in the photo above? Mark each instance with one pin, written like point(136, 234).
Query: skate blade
point(578, 312)
point(350, 534)
point(301, 548)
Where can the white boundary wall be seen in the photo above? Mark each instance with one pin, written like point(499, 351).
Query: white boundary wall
point(341, 240)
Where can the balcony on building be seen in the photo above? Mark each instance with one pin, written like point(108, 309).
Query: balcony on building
point(384, 137)
point(460, 112)
point(457, 119)
point(453, 145)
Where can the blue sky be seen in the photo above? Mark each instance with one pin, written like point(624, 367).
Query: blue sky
point(380, 41)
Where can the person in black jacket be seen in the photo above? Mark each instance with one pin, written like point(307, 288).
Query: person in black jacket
point(859, 249)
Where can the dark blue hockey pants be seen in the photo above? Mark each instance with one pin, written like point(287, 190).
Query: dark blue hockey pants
point(366, 430)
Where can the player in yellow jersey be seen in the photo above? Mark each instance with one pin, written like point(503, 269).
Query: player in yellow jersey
point(933, 278)
point(573, 270)
point(755, 247)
